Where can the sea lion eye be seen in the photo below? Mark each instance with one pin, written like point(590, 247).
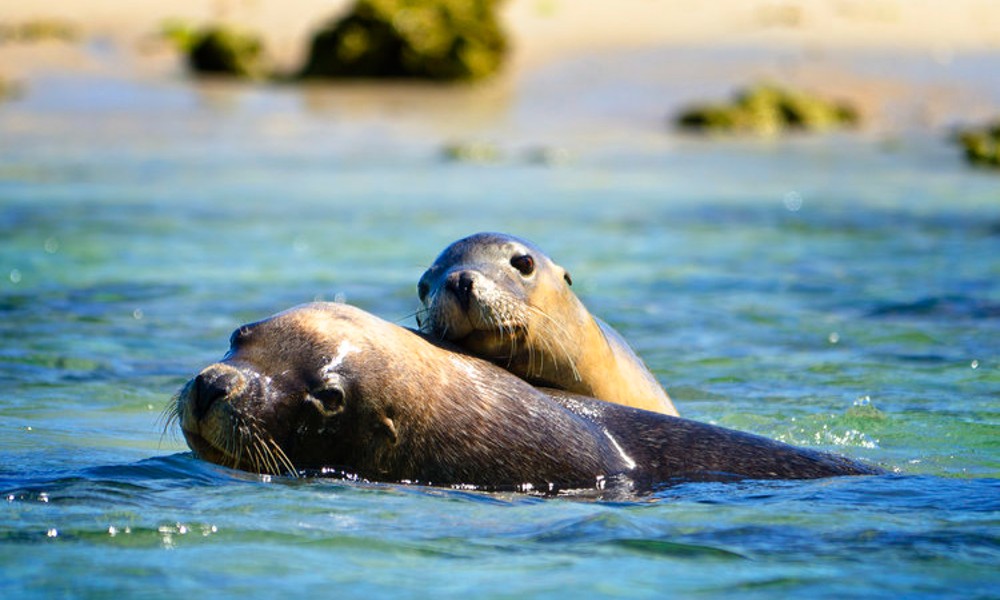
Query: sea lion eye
point(523, 263)
point(422, 290)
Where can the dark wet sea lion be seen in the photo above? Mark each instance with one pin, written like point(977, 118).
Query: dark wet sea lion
point(503, 299)
point(328, 385)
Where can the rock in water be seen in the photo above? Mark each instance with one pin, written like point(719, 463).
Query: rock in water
point(442, 40)
point(769, 110)
point(221, 50)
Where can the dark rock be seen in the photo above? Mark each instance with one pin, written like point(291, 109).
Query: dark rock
point(982, 145)
point(769, 110)
point(224, 51)
point(428, 39)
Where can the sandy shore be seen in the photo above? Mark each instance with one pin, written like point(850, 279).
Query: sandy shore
point(543, 30)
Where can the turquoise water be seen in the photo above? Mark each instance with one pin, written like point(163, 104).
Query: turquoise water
point(840, 293)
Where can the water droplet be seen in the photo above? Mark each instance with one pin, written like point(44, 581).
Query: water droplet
point(863, 401)
point(792, 201)
point(52, 533)
point(974, 364)
point(43, 497)
point(15, 276)
point(112, 531)
point(137, 314)
point(834, 337)
point(51, 245)
point(340, 297)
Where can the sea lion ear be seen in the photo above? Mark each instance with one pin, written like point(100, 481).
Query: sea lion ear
point(568, 279)
point(389, 428)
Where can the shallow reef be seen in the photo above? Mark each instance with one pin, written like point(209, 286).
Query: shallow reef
point(767, 109)
point(982, 145)
point(443, 40)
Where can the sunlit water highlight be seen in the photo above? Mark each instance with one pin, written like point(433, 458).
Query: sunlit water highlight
point(837, 293)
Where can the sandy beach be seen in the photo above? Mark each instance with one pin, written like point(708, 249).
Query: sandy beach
point(541, 30)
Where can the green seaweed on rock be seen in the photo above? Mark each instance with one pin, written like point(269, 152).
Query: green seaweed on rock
point(982, 145)
point(443, 40)
point(769, 110)
point(225, 51)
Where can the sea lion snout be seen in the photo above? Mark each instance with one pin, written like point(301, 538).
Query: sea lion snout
point(460, 284)
point(215, 382)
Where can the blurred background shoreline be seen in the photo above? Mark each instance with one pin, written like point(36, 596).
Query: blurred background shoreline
point(908, 66)
point(545, 30)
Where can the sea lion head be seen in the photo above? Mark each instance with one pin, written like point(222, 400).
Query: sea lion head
point(493, 293)
point(287, 395)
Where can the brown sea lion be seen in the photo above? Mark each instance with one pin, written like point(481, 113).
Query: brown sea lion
point(330, 386)
point(503, 299)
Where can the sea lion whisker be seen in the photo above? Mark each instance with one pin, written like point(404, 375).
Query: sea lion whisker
point(559, 337)
point(268, 461)
point(237, 443)
point(282, 457)
point(549, 350)
point(257, 458)
point(267, 454)
point(248, 446)
point(254, 452)
point(504, 333)
point(265, 450)
point(170, 415)
point(413, 315)
point(513, 349)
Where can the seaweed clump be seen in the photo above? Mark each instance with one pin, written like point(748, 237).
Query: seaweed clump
point(39, 30)
point(982, 145)
point(769, 110)
point(223, 51)
point(443, 40)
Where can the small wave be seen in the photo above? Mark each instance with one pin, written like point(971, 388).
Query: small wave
point(674, 549)
point(119, 484)
point(950, 306)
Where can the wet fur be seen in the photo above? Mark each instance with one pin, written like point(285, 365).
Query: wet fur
point(416, 411)
point(533, 326)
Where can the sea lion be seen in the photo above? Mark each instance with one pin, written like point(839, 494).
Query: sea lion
point(329, 386)
point(503, 299)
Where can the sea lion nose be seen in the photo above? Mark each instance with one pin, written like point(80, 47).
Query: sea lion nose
point(460, 284)
point(214, 383)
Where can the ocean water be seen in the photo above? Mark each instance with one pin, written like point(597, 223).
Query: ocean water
point(840, 293)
